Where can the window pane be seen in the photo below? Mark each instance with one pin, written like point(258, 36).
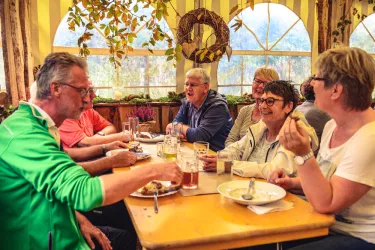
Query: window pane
point(251, 63)
point(145, 34)
point(281, 18)
point(247, 89)
point(161, 92)
point(2, 73)
point(297, 39)
point(229, 72)
point(230, 90)
point(106, 93)
point(360, 37)
point(101, 70)
point(161, 71)
point(293, 68)
point(136, 91)
point(133, 71)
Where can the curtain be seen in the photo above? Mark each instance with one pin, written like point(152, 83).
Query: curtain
point(15, 35)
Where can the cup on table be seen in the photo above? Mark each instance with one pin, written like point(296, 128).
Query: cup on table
point(160, 149)
point(177, 131)
point(126, 131)
point(224, 165)
point(134, 126)
point(170, 148)
point(189, 167)
point(201, 149)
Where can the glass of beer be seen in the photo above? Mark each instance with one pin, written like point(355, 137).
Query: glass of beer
point(190, 172)
point(201, 149)
point(170, 148)
point(224, 166)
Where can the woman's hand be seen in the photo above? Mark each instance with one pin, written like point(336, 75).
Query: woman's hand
point(209, 162)
point(279, 178)
point(91, 232)
point(294, 138)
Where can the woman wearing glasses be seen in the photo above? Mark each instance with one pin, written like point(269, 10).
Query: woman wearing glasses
point(250, 114)
point(341, 180)
point(259, 151)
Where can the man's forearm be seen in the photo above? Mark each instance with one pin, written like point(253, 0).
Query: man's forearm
point(97, 166)
point(97, 139)
point(109, 130)
point(84, 154)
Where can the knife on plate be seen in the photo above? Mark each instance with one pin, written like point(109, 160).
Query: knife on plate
point(156, 207)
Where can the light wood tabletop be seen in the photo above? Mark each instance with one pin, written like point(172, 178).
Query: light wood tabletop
point(215, 222)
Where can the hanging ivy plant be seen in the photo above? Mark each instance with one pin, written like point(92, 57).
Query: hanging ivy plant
point(124, 14)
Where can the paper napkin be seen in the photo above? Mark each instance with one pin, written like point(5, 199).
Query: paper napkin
point(280, 205)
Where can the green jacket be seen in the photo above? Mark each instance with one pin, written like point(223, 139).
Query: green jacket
point(40, 187)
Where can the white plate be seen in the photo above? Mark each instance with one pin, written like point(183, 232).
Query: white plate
point(140, 156)
point(138, 194)
point(263, 192)
point(155, 139)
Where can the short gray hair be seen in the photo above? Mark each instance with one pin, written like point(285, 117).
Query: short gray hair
point(199, 73)
point(56, 68)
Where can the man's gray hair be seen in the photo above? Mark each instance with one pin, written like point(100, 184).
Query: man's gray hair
point(56, 68)
point(199, 73)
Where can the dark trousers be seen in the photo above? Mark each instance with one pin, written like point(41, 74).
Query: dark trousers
point(120, 239)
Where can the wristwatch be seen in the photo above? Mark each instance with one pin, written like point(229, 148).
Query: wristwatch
point(300, 160)
point(101, 133)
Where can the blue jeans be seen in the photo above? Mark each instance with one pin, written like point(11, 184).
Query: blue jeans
point(120, 239)
point(330, 242)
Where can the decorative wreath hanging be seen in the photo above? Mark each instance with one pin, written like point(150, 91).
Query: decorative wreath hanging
point(189, 48)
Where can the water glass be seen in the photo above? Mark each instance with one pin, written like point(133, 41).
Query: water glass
point(224, 166)
point(160, 149)
point(177, 131)
point(134, 126)
point(125, 126)
point(201, 149)
point(170, 148)
point(190, 172)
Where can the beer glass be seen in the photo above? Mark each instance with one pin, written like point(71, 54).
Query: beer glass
point(134, 126)
point(170, 147)
point(190, 172)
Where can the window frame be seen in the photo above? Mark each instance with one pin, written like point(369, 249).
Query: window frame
point(268, 52)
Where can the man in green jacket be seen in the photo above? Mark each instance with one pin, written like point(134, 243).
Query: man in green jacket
point(42, 186)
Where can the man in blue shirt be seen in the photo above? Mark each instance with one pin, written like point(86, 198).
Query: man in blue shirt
point(204, 113)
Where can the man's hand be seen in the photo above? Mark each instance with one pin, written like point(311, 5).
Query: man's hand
point(124, 159)
point(168, 171)
point(210, 162)
point(115, 145)
point(168, 129)
point(91, 232)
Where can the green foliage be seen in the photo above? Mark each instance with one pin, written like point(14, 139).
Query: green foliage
point(5, 112)
point(233, 100)
point(119, 21)
point(346, 19)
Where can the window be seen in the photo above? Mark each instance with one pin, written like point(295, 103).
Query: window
point(2, 72)
point(141, 72)
point(272, 35)
point(364, 37)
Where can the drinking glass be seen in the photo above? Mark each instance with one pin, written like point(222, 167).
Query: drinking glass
point(177, 131)
point(125, 126)
point(190, 172)
point(224, 166)
point(170, 147)
point(160, 149)
point(134, 126)
point(200, 149)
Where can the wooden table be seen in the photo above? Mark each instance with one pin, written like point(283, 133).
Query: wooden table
point(215, 222)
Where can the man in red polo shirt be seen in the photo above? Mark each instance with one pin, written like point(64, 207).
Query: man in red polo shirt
point(90, 129)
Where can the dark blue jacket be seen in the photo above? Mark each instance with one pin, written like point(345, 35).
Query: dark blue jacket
point(211, 122)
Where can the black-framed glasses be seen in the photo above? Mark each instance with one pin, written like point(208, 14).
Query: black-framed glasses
point(193, 85)
point(82, 92)
point(314, 78)
point(258, 81)
point(270, 101)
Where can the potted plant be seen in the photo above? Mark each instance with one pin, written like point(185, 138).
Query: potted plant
point(145, 116)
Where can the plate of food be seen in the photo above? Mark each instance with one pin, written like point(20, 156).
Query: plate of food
point(147, 137)
point(141, 154)
point(164, 188)
point(262, 192)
